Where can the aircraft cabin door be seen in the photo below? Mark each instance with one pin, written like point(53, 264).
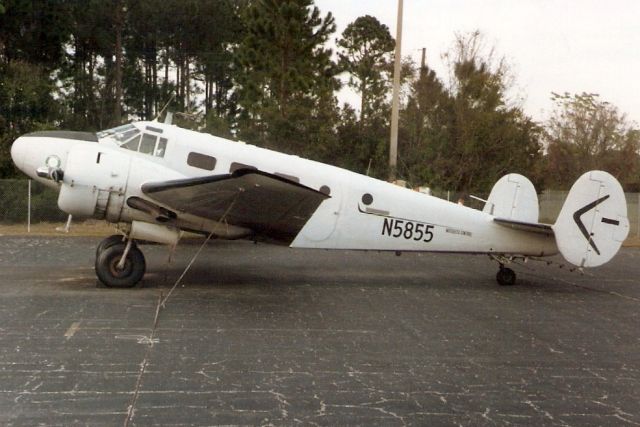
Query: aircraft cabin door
point(323, 223)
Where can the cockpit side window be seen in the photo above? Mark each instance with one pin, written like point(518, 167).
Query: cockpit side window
point(161, 147)
point(148, 143)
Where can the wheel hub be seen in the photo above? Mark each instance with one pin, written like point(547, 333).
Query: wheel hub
point(117, 272)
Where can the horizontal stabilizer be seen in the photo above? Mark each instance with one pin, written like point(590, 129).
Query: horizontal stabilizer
point(533, 227)
point(593, 221)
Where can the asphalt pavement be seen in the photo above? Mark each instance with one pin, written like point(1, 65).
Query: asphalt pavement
point(266, 335)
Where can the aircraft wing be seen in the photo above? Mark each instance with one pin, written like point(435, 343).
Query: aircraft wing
point(270, 205)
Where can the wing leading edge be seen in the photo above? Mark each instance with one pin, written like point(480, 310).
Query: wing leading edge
point(272, 206)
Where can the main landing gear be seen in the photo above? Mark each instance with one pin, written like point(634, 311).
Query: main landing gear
point(119, 262)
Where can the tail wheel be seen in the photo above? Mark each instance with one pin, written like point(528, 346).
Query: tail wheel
point(506, 277)
point(131, 273)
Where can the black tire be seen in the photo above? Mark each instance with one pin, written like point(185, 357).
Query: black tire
point(108, 242)
point(129, 276)
point(506, 277)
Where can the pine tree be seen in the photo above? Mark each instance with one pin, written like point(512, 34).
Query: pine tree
point(284, 73)
point(424, 128)
point(365, 53)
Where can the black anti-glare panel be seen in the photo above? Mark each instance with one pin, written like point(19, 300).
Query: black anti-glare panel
point(80, 136)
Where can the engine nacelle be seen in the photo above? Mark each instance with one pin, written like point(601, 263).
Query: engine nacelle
point(94, 184)
point(79, 201)
point(154, 233)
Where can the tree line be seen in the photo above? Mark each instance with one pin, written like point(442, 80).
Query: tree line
point(268, 72)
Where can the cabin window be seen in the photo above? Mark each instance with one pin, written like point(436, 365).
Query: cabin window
point(201, 161)
point(235, 166)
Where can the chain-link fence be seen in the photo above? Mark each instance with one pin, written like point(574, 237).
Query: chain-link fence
point(25, 202)
point(551, 202)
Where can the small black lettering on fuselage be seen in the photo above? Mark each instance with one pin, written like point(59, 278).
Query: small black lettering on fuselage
point(408, 230)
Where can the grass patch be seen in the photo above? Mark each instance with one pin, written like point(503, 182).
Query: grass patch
point(85, 228)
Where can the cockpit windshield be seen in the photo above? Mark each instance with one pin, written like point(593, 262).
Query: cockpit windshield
point(120, 134)
point(131, 138)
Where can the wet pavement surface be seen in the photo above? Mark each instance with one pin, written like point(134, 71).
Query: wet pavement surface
point(265, 335)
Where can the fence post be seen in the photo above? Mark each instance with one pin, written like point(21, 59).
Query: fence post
point(638, 218)
point(28, 206)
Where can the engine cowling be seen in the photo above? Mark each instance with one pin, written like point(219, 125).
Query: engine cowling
point(94, 184)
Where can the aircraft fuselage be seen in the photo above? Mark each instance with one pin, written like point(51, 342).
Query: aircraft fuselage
point(362, 213)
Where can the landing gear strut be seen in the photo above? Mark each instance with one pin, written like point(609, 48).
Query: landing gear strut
point(119, 264)
point(506, 276)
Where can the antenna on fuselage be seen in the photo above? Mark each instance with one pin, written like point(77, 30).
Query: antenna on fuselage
point(169, 118)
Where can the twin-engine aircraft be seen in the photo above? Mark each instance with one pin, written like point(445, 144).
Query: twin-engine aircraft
point(157, 180)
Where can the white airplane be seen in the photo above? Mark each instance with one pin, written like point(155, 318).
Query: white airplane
point(157, 180)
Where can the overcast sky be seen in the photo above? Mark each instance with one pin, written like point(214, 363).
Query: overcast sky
point(552, 45)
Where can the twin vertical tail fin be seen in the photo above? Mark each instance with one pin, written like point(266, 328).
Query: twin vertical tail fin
point(593, 221)
point(513, 198)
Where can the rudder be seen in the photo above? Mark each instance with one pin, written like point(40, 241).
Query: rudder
point(593, 221)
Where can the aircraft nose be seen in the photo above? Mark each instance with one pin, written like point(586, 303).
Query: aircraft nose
point(19, 152)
